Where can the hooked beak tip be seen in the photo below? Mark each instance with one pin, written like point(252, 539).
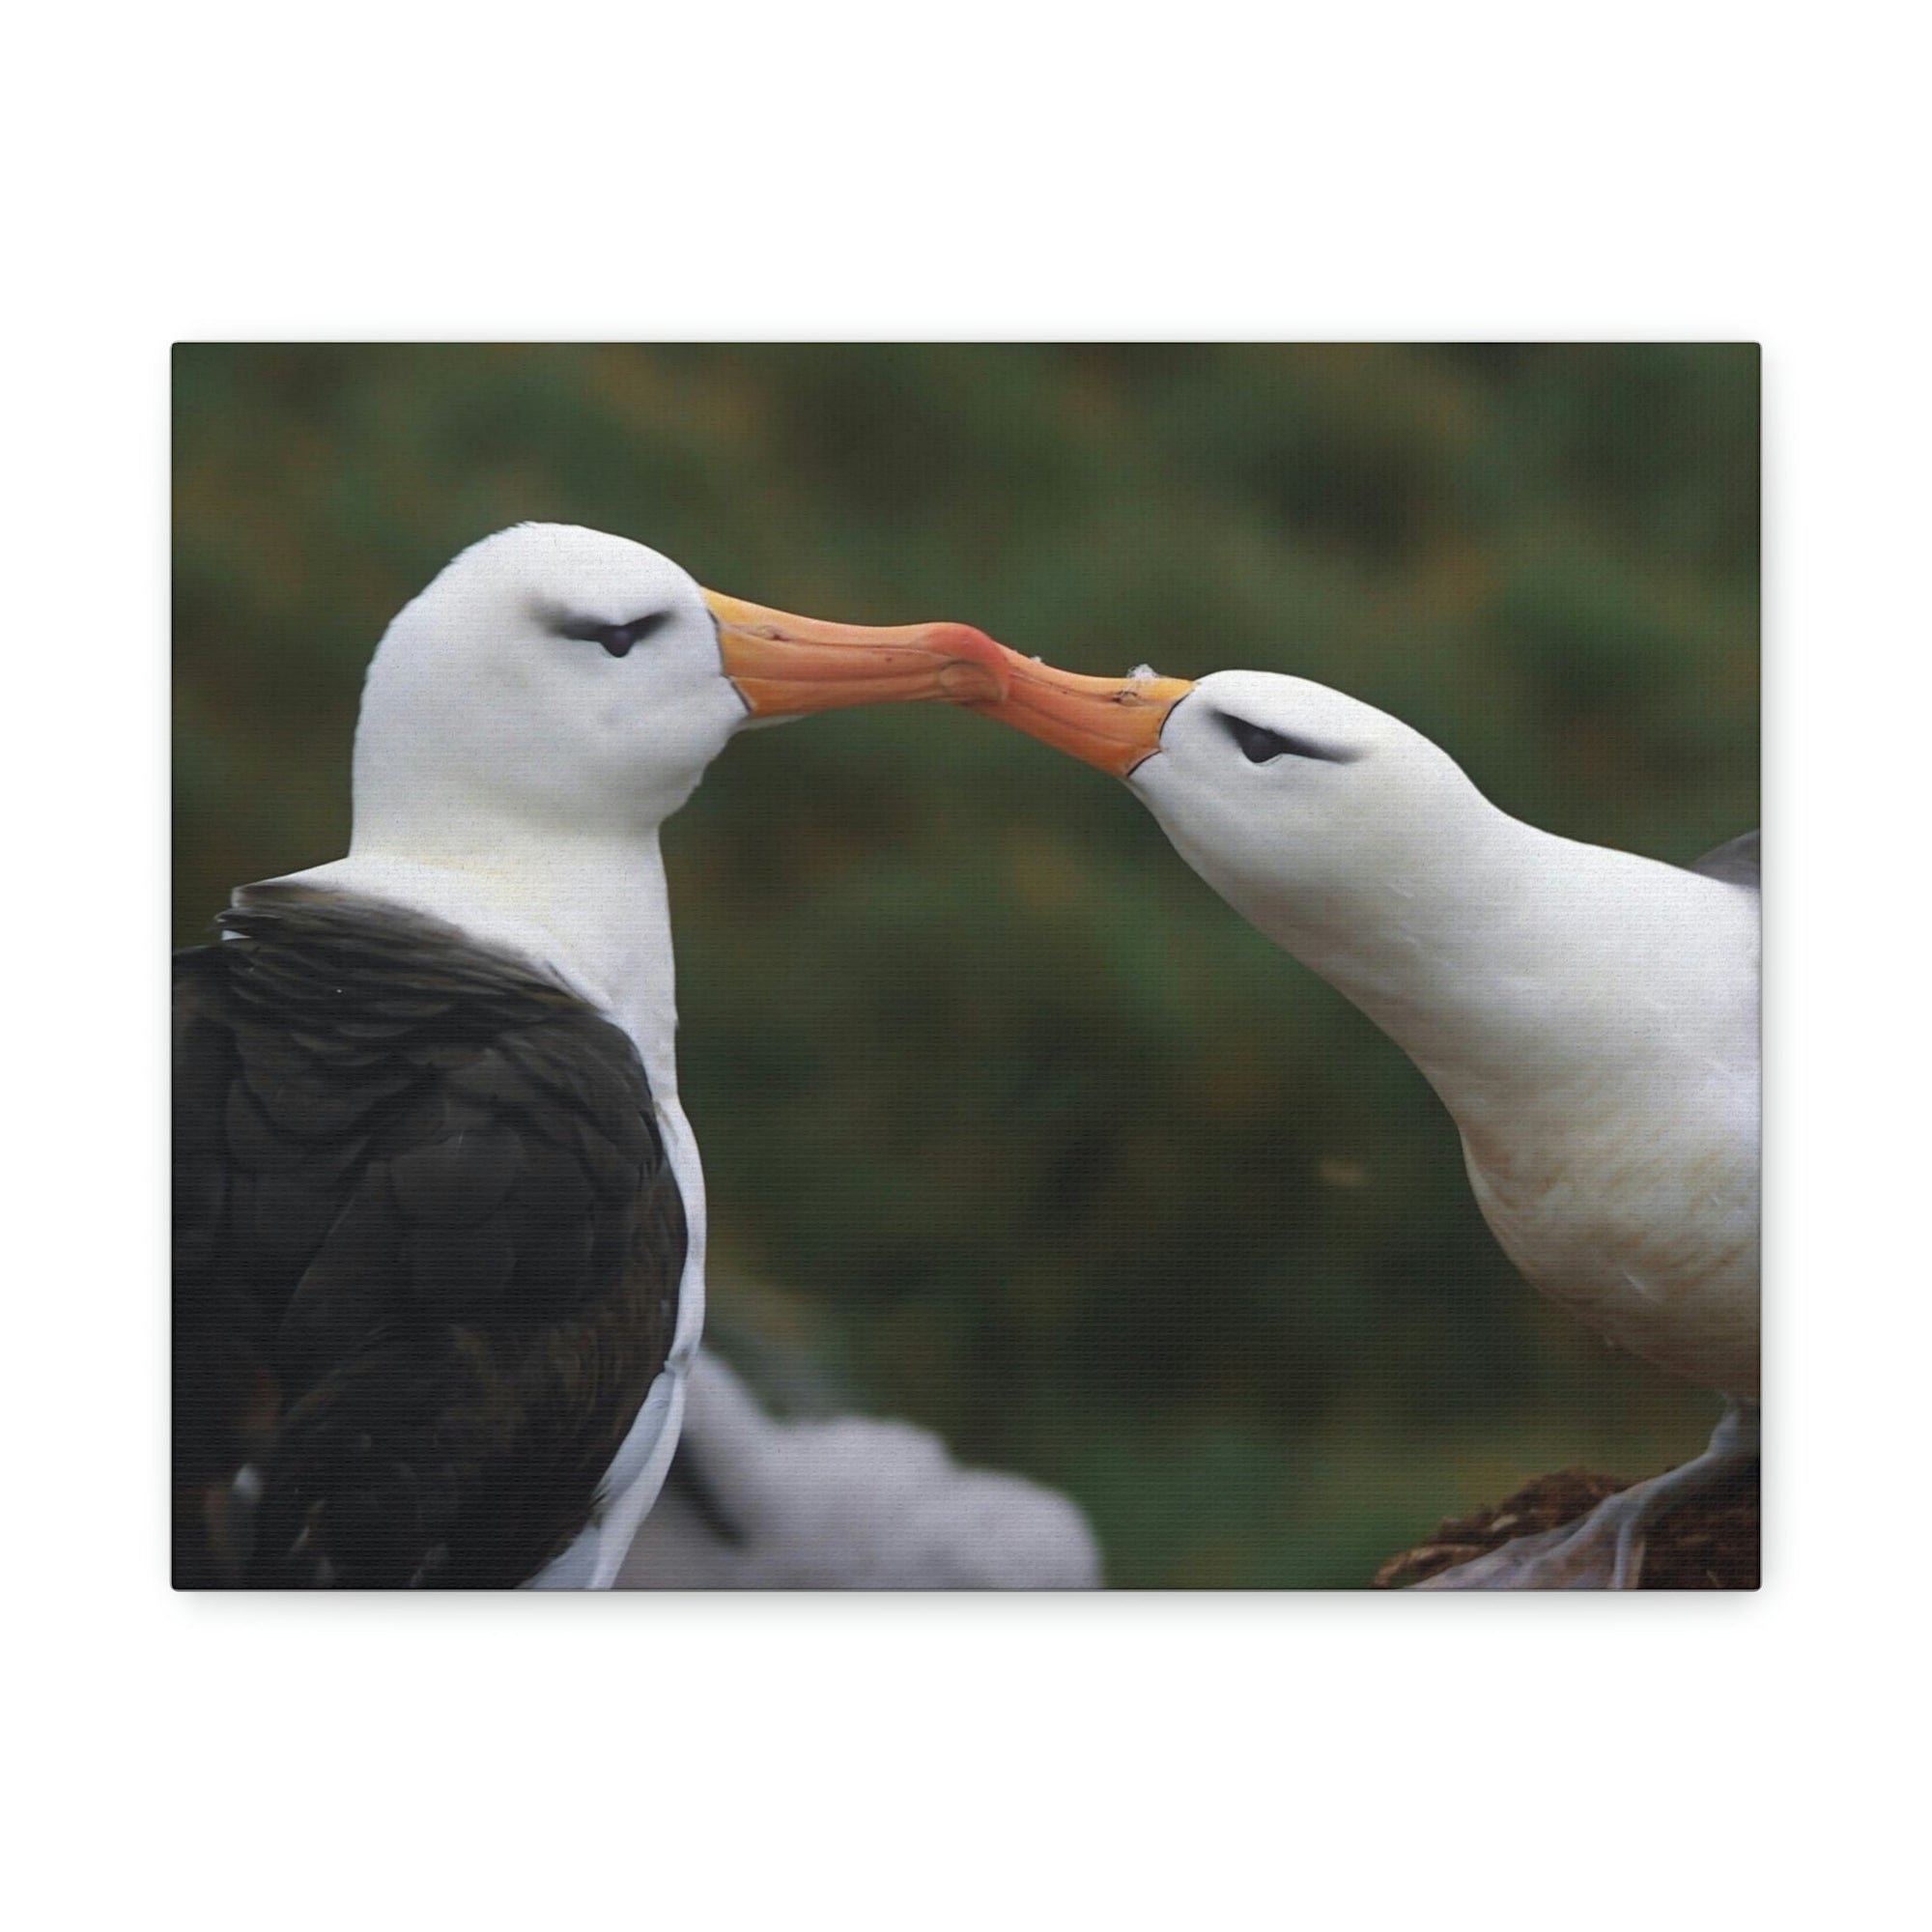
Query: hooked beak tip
point(975, 666)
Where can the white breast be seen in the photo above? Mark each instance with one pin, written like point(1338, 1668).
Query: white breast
point(1642, 1218)
point(1618, 1166)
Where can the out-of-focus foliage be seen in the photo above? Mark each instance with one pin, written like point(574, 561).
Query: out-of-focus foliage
point(1006, 1116)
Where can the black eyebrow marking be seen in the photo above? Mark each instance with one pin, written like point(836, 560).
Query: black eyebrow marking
point(617, 639)
point(1261, 746)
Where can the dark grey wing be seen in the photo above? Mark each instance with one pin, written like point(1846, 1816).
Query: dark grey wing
point(1735, 862)
point(427, 1256)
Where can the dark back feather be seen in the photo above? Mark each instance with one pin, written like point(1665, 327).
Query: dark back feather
point(1735, 862)
point(427, 1252)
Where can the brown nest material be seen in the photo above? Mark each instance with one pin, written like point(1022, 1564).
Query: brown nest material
point(1709, 1543)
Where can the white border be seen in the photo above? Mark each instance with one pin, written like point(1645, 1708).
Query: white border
point(1397, 173)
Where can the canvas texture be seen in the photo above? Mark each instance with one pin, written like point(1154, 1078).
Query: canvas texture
point(1220, 1019)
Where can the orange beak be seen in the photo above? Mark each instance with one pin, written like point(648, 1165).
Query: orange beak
point(1113, 722)
point(784, 667)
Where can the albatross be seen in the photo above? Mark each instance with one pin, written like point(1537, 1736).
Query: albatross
point(440, 1218)
point(1589, 1017)
point(758, 1501)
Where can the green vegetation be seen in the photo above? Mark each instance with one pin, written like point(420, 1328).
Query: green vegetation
point(1008, 1119)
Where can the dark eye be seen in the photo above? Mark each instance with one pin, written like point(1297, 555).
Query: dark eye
point(617, 639)
point(1260, 745)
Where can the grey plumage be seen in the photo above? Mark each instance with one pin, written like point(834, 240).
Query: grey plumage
point(1736, 860)
point(850, 1504)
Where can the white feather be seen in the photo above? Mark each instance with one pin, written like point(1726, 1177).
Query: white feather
point(848, 1504)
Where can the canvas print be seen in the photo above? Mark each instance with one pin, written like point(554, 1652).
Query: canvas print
point(966, 966)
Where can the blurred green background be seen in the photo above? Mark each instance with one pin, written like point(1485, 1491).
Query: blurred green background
point(1011, 1126)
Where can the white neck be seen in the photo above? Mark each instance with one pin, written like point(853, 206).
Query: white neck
point(1509, 967)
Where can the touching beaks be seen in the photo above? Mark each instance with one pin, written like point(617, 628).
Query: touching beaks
point(1113, 722)
point(784, 667)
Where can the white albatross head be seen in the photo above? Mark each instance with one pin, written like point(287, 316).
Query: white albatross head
point(1309, 812)
point(579, 683)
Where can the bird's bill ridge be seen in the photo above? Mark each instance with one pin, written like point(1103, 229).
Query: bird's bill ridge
point(783, 665)
point(1113, 722)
